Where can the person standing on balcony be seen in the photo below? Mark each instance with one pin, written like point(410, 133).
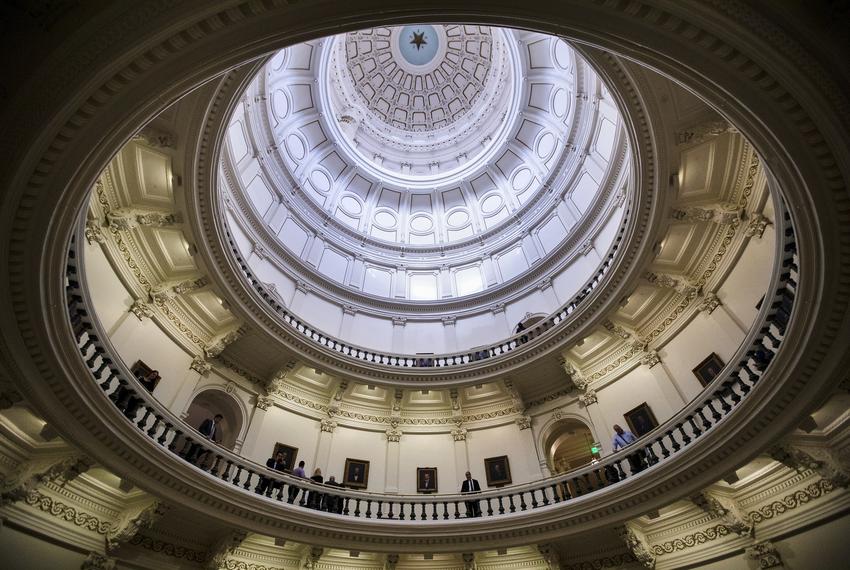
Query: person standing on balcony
point(210, 430)
point(470, 485)
point(624, 438)
point(297, 472)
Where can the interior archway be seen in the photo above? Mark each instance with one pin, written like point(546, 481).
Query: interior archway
point(568, 445)
point(207, 404)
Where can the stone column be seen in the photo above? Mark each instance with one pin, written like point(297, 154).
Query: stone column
point(500, 320)
point(323, 450)
point(123, 329)
point(527, 437)
point(349, 314)
point(598, 427)
point(393, 455)
point(298, 296)
point(671, 390)
point(398, 334)
point(461, 452)
point(198, 368)
point(726, 321)
point(450, 333)
point(249, 446)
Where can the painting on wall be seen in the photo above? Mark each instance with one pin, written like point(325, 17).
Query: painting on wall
point(708, 369)
point(498, 471)
point(289, 455)
point(147, 376)
point(356, 473)
point(641, 420)
point(426, 479)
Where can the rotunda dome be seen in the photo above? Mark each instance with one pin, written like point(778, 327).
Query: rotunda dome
point(427, 172)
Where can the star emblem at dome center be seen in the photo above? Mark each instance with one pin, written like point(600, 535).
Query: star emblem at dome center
point(418, 40)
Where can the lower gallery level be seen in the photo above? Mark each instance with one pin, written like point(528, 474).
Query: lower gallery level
point(333, 286)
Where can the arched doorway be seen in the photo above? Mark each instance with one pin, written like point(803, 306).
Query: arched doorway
point(207, 404)
point(568, 445)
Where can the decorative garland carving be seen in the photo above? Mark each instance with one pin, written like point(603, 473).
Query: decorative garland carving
point(809, 493)
point(168, 549)
point(66, 512)
point(613, 561)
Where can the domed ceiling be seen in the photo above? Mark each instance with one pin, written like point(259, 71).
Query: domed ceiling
point(424, 163)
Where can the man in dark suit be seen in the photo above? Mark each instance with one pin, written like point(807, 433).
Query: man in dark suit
point(210, 430)
point(276, 463)
point(470, 485)
point(333, 503)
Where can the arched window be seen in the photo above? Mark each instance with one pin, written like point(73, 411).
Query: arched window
point(210, 402)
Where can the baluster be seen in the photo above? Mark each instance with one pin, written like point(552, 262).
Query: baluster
point(501, 506)
point(565, 488)
point(555, 495)
point(545, 498)
point(390, 514)
point(434, 515)
point(104, 362)
point(674, 444)
point(93, 358)
point(380, 506)
point(457, 511)
point(533, 499)
point(522, 505)
point(214, 468)
point(164, 435)
point(143, 422)
point(445, 511)
point(247, 484)
point(357, 508)
point(588, 483)
point(345, 506)
point(714, 413)
point(368, 508)
point(705, 423)
point(422, 515)
point(489, 508)
point(694, 427)
point(238, 475)
point(664, 450)
point(401, 514)
point(685, 437)
point(303, 500)
point(724, 405)
point(106, 384)
point(751, 376)
point(155, 426)
point(577, 483)
point(511, 500)
point(187, 442)
point(619, 463)
point(651, 458)
point(599, 479)
point(279, 491)
point(742, 386)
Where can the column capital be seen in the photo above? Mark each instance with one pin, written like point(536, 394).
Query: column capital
point(708, 303)
point(200, 365)
point(328, 425)
point(765, 554)
point(459, 433)
point(263, 402)
point(142, 309)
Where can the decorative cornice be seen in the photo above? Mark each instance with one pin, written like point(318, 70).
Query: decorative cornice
point(168, 549)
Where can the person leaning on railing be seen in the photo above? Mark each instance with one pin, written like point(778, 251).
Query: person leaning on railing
point(624, 438)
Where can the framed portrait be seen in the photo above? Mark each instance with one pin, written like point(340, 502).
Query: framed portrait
point(708, 369)
point(356, 473)
point(641, 420)
point(426, 479)
point(498, 471)
point(147, 376)
point(289, 455)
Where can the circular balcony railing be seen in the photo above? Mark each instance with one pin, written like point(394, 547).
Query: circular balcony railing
point(371, 356)
point(715, 404)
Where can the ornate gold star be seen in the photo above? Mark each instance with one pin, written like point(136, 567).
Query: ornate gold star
point(418, 40)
